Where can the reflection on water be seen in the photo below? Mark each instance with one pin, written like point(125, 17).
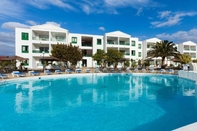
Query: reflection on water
point(97, 89)
point(102, 100)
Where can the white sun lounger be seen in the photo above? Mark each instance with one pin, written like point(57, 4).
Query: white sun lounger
point(17, 74)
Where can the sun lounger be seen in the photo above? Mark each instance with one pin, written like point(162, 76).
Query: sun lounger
point(161, 71)
point(58, 71)
point(18, 74)
point(68, 71)
point(104, 70)
point(78, 70)
point(97, 70)
point(144, 70)
point(47, 72)
point(136, 70)
point(119, 70)
point(170, 71)
point(112, 70)
point(128, 70)
point(151, 70)
point(33, 73)
point(3, 76)
point(88, 71)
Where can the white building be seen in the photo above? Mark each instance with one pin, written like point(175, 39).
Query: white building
point(36, 42)
point(188, 48)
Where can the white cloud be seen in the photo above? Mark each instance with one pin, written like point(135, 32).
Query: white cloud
point(31, 22)
point(53, 23)
point(171, 19)
point(86, 9)
point(7, 44)
point(7, 37)
point(180, 36)
point(10, 8)
point(164, 14)
point(102, 28)
point(6, 49)
point(139, 11)
point(44, 4)
point(13, 25)
point(133, 3)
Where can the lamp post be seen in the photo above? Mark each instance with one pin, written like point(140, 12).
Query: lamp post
point(43, 60)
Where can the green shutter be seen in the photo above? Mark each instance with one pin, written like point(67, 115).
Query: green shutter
point(98, 41)
point(74, 40)
point(25, 36)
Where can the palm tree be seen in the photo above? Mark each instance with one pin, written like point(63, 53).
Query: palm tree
point(163, 49)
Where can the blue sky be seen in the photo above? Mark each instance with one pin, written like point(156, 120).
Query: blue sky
point(165, 19)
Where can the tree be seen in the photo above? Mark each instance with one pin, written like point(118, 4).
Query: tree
point(184, 58)
point(134, 64)
point(67, 53)
point(163, 49)
point(139, 63)
point(99, 56)
point(114, 56)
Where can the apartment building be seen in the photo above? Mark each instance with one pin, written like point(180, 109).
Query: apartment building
point(188, 48)
point(36, 42)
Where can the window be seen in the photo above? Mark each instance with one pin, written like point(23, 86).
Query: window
point(26, 62)
point(139, 54)
point(148, 46)
point(24, 36)
point(44, 49)
point(25, 49)
point(132, 43)
point(133, 52)
point(99, 42)
point(74, 40)
point(139, 46)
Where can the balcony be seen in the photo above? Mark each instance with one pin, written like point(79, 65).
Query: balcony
point(40, 38)
point(112, 42)
point(40, 51)
point(58, 39)
point(124, 43)
point(87, 44)
point(187, 49)
point(87, 55)
point(127, 53)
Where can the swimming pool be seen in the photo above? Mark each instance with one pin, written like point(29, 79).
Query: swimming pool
point(98, 102)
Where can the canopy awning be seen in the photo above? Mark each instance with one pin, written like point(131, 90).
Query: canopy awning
point(15, 58)
point(49, 58)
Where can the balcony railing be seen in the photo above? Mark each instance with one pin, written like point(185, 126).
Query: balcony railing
point(87, 55)
point(112, 43)
point(40, 38)
point(124, 44)
point(58, 39)
point(193, 49)
point(88, 45)
point(126, 53)
point(186, 48)
point(40, 51)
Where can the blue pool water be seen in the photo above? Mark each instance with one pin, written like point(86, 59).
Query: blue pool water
point(102, 102)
